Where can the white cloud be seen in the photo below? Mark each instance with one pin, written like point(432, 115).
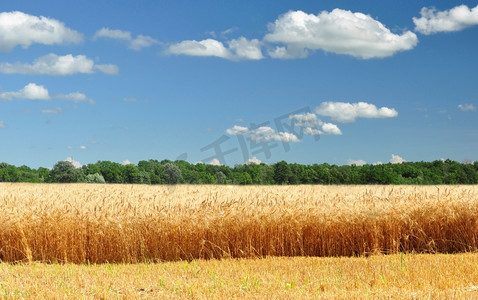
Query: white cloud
point(113, 34)
point(3, 125)
point(358, 162)
point(264, 134)
point(239, 49)
point(142, 41)
point(396, 159)
point(20, 29)
point(285, 137)
point(312, 131)
point(237, 130)
point(329, 128)
point(253, 161)
point(455, 19)
point(75, 163)
point(347, 112)
point(242, 48)
point(208, 47)
point(108, 69)
point(53, 64)
point(137, 43)
point(467, 107)
point(52, 111)
point(75, 97)
point(35, 92)
point(305, 120)
point(378, 163)
point(311, 125)
point(215, 162)
point(31, 91)
point(126, 162)
point(267, 134)
point(339, 31)
point(82, 147)
point(228, 31)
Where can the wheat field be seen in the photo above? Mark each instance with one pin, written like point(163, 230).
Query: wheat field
point(87, 223)
point(398, 276)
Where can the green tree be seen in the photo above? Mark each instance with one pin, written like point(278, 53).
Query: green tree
point(112, 172)
point(27, 174)
point(172, 173)
point(131, 174)
point(220, 178)
point(65, 172)
point(154, 169)
point(95, 178)
point(321, 174)
point(9, 173)
point(267, 174)
point(91, 169)
point(144, 177)
point(243, 178)
point(254, 171)
point(282, 172)
point(43, 174)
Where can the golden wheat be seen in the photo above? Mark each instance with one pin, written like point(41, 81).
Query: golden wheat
point(135, 223)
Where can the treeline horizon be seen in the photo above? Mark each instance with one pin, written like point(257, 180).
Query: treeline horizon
point(182, 172)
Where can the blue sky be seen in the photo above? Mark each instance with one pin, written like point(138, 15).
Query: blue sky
point(228, 82)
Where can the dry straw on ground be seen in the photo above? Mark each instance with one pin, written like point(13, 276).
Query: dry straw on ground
point(400, 276)
point(135, 223)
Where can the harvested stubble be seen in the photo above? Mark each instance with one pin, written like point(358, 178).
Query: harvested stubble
point(82, 223)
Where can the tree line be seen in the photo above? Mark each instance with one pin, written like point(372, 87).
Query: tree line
point(183, 172)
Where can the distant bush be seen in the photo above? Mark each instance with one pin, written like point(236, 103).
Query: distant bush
point(95, 178)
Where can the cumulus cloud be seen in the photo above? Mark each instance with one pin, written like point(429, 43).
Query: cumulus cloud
point(126, 162)
point(267, 134)
point(238, 49)
point(329, 128)
point(358, 162)
point(136, 43)
point(339, 31)
point(243, 48)
point(75, 97)
point(263, 134)
point(253, 161)
point(305, 120)
point(467, 107)
point(396, 159)
point(53, 64)
point(312, 131)
point(208, 47)
point(455, 19)
point(215, 162)
point(3, 125)
point(347, 112)
point(75, 163)
point(314, 126)
point(237, 130)
point(20, 29)
point(31, 91)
